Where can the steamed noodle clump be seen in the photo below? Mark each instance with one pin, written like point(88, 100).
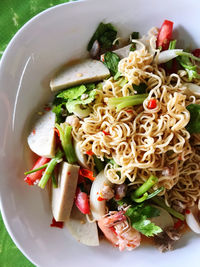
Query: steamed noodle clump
point(143, 141)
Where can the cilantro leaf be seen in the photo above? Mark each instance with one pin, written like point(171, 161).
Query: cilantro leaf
point(138, 216)
point(111, 60)
point(72, 93)
point(191, 69)
point(146, 227)
point(105, 34)
point(194, 124)
point(70, 105)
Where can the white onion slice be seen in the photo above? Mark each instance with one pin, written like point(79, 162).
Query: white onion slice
point(81, 158)
point(168, 55)
point(192, 220)
point(192, 88)
point(164, 220)
point(98, 208)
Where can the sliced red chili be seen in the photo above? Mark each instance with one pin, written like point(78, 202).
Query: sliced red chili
point(152, 103)
point(54, 223)
point(106, 133)
point(89, 153)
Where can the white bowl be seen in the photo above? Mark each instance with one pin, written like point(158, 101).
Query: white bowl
point(37, 50)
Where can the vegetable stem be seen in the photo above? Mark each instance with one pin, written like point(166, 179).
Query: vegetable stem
point(187, 55)
point(66, 141)
point(50, 168)
point(160, 202)
point(144, 188)
point(126, 101)
point(156, 192)
point(172, 44)
point(141, 199)
point(37, 169)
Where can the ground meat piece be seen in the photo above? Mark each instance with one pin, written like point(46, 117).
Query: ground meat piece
point(165, 241)
point(107, 192)
point(72, 120)
point(120, 191)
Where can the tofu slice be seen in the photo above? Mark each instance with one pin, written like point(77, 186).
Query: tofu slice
point(63, 195)
point(123, 52)
point(41, 140)
point(83, 231)
point(88, 70)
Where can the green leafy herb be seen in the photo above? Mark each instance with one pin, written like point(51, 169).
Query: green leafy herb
point(141, 88)
point(139, 216)
point(126, 101)
point(72, 93)
point(133, 47)
point(66, 141)
point(99, 164)
point(71, 105)
point(105, 34)
point(135, 35)
point(191, 69)
point(194, 124)
point(58, 110)
point(111, 60)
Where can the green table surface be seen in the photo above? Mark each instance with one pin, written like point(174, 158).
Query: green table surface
point(13, 15)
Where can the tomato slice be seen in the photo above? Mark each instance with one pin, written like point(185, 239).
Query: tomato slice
point(33, 177)
point(82, 202)
point(165, 35)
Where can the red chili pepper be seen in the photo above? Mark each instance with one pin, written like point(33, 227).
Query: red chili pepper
point(33, 131)
point(32, 177)
point(82, 202)
point(89, 152)
point(56, 224)
point(187, 211)
point(100, 199)
point(196, 52)
point(152, 104)
point(129, 111)
point(178, 224)
point(106, 133)
point(47, 108)
point(57, 132)
point(86, 173)
point(165, 34)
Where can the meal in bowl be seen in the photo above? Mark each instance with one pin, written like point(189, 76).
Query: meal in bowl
point(119, 144)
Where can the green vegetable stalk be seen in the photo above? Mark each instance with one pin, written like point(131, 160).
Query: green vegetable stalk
point(145, 187)
point(38, 169)
point(160, 202)
point(66, 141)
point(126, 101)
point(50, 168)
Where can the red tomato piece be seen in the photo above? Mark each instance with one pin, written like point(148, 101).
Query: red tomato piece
point(165, 35)
point(32, 177)
point(152, 104)
point(82, 202)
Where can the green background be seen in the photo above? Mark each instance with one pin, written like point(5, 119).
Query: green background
point(13, 15)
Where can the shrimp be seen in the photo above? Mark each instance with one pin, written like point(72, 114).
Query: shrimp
point(117, 230)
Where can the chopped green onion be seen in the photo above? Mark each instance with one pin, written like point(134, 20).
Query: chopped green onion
point(172, 44)
point(144, 188)
point(50, 168)
point(160, 202)
point(126, 101)
point(54, 182)
point(38, 169)
point(66, 141)
point(156, 192)
point(141, 199)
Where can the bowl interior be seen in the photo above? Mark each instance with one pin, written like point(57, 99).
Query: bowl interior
point(45, 43)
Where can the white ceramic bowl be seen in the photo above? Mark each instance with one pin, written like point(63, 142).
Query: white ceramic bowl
point(37, 50)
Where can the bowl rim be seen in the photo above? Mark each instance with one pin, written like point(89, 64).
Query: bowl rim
point(2, 63)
